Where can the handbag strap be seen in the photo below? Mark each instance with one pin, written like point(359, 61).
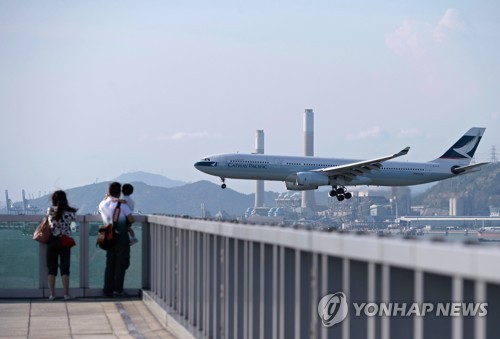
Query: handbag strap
point(116, 212)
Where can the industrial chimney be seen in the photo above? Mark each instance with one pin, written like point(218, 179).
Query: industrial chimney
point(308, 196)
point(259, 149)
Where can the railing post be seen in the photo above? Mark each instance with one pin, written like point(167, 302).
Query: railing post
point(370, 326)
point(297, 294)
point(276, 291)
point(146, 255)
point(84, 255)
point(43, 271)
point(346, 272)
point(386, 290)
point(418, 322)
point(457, 297)
point(229, 291)
point(480, 322)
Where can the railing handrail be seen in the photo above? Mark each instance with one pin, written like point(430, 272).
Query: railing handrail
point(470, 261)
point(39, 217)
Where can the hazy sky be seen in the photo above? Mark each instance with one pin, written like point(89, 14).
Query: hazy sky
point(93, 89)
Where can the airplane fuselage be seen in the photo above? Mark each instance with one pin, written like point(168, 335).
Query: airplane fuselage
point(308, 173)
point(285, 168)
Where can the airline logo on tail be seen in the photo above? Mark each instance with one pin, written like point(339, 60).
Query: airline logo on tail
point(466, 146)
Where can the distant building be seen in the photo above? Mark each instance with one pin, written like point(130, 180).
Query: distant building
point(380, 212)
point(456, 206)
point(494, 211)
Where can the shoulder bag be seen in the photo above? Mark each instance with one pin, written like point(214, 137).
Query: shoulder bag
point(106, 237)
point(42, 232)
point(67, 241)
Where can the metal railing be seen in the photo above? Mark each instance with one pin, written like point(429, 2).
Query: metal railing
point(225, 280)
point(214, 279)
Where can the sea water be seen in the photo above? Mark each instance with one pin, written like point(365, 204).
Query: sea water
point(20, 259)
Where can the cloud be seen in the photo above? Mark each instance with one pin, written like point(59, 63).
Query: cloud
point(182, 136)
point(416, 38)
point(409, 133)
point(450, 21)
point(495, 115)
point(372, 133)
point(408, 39)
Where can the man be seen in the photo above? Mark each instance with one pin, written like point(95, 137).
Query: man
point(118, 257)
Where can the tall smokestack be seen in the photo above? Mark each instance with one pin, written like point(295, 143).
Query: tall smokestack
point(25, 202)
point(7, 200)
point(309, 132)
point(308, 196)
point(259, 188)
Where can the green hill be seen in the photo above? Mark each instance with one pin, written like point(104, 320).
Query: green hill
point(478, 191)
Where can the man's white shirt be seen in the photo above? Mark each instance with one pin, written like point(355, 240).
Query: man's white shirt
point(107, 207)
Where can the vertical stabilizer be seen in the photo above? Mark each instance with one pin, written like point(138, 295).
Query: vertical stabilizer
point(463, 150)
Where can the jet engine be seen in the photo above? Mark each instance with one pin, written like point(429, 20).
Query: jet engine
point(294, 187)
point(312, 179)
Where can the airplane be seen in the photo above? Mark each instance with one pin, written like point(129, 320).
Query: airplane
point(308, 173)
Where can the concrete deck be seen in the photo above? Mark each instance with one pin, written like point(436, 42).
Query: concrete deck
point(79, 318)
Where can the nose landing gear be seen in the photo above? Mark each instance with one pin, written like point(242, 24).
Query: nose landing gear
point(340, 192)
point(223, 186)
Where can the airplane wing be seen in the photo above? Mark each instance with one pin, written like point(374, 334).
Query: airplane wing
point(350, 171)
point(468, 168)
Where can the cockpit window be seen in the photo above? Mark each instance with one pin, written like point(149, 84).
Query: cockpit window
point(206, 159)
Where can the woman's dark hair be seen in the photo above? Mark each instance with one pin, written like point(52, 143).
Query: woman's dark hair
point(60, 201)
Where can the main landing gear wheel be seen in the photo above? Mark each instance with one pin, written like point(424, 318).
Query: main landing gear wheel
point(340, 193)
point(223, 186)
point(333, 192)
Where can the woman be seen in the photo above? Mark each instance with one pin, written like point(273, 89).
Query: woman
point(60, 216)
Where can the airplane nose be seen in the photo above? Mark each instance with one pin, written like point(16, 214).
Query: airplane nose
point(205, 164)
point(200, 165)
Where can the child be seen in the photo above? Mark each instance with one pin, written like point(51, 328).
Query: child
point(127, 190)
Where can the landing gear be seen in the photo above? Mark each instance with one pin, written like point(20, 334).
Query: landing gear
point(223, 186)
point(340, 193)
point(333, 192)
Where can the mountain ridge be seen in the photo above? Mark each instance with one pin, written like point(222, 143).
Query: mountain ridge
point(178, 200)
point(150, 179)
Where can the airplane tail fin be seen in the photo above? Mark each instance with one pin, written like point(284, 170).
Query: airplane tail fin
point(462, 151)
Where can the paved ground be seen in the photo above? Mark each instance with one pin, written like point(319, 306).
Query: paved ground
point(80, 318)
